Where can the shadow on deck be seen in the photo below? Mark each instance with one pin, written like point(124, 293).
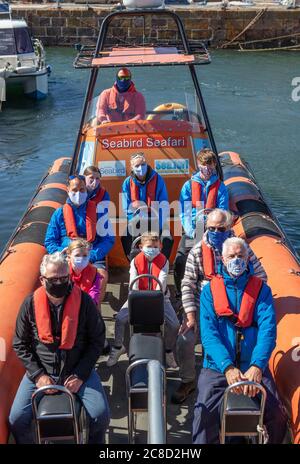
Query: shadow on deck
point(179, 417)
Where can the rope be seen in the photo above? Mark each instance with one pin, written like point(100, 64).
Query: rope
point(252, 22)
point(290, 47)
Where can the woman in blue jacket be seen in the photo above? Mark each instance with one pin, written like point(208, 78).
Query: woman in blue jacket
point(238, 337)
point(80, 218)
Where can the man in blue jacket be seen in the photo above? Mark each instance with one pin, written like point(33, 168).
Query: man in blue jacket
point(80, 217)
point(238, 337)
point(146, 205)
point(203, 191)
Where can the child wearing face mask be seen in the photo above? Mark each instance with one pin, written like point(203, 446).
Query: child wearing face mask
point(150, 260)
point(82, 273)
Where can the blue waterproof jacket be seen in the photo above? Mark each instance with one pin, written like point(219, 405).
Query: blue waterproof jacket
point(218, 334)
point(161, 196)
point(188, 213)
point(56, 235)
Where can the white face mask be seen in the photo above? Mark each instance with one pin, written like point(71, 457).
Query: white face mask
point(80, 262)
point(150, 252)
point(78, 198)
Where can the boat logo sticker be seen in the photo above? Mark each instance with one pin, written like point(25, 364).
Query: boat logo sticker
point(112, 168)
point(167, 167)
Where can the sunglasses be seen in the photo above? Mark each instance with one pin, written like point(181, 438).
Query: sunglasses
point(218, 229)
point(123, 78)
point(57, 280)
point(77, 176)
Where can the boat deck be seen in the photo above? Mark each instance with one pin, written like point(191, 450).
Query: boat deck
point(179, 417)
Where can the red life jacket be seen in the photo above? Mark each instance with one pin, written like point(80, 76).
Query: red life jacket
point(150, 190)
point(211, 201)
point(99, 196)
point(221, 303)
point(208, 261)
point(91, 220)
point(85, 279)
point(69, 322)
point(143, 266)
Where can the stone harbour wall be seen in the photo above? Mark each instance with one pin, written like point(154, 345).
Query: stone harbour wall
point(72, 24)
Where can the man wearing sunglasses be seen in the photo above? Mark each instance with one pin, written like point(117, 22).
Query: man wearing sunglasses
point(122, 102)
point(59, 338)
point(202, 264)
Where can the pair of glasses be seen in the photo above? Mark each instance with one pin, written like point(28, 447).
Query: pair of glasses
point(77, 176)
point(123, 78)
point(57, 280)
point(217, 229)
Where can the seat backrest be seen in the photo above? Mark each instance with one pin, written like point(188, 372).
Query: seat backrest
point(146, 310)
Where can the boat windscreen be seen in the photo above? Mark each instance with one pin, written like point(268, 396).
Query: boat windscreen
point(7, 42)
point(169, 94)
point(23, 40)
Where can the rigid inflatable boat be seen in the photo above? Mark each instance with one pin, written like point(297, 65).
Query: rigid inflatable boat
point(170, 135)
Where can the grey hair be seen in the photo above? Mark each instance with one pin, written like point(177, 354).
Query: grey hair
point(139, 154)
point(227, 216)
point(56, 258)
point(235, 241)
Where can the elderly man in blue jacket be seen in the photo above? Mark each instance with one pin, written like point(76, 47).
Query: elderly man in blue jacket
point(81, 217)
point(145, 197)
point(238, 336)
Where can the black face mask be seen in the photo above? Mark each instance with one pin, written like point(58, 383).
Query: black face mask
point(57, 290)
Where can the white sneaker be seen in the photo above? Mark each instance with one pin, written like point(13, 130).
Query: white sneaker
point(115, 353)
point(170, 360)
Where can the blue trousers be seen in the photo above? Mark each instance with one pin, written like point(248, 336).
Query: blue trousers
point(211, 388)
point(93, 398)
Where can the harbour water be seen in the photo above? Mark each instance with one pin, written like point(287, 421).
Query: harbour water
point(249, 103)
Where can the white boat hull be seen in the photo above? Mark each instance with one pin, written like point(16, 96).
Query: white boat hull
point(35, 85)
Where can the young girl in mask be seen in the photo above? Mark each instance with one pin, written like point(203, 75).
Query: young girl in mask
point(83, 273)
point(150, 260)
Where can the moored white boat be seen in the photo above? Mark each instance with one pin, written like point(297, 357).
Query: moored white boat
point(22, 59)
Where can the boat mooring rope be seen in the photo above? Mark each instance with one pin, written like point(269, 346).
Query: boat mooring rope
point(252, 22)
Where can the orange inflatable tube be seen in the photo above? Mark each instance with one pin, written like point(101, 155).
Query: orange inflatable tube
point(267, 240)
point(19, 274)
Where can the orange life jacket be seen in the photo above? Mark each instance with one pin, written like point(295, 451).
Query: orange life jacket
point(208, 261)
point(211, 201)
point(143, 266)
point(91, 220)
point(221, 303)
point(150, 190)
point(99, 196)
point(85, 279)
point(69, 322)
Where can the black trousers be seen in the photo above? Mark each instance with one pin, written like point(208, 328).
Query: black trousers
point(184, 247)
point(167, 245)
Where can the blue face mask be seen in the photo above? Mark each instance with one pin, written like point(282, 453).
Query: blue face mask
point(123, 85)
point(236, 266)
point(217, 238)
point(141, 170)
point(150, 252)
